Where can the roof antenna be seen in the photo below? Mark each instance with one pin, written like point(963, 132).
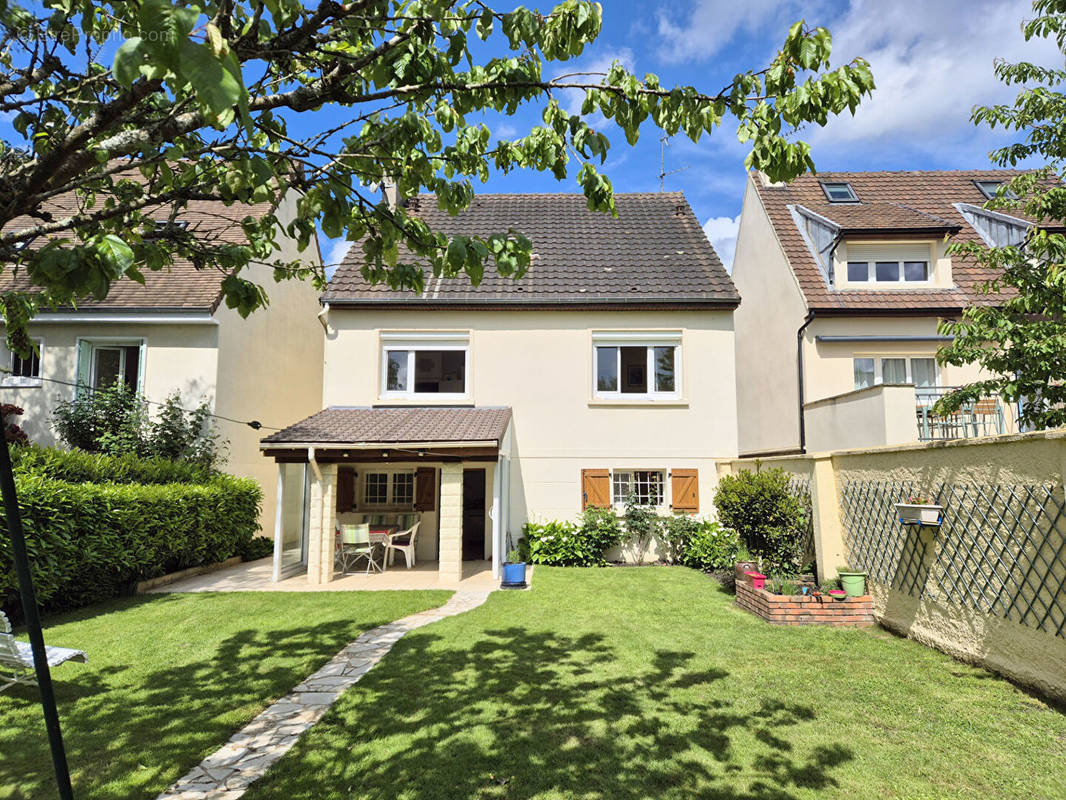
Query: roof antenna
point(664, 142)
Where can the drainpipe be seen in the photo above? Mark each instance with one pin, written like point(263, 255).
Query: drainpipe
point(314, 464)
point(322, 317)
point(799, 373)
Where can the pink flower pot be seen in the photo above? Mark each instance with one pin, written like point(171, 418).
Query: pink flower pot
point(758, 580)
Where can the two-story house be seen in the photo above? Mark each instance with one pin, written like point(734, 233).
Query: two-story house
point(606, 370)
point(845, 278)
point(174, 334)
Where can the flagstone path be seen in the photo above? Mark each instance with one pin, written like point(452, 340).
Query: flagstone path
point(228, 772)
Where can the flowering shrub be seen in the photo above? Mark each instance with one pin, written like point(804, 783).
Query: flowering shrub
point(564, 544)
point(712, 547)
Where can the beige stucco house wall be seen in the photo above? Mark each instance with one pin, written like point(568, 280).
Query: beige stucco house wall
point(540, 364)
point(266, 367)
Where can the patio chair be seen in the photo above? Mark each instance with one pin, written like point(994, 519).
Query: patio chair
point(403, 542)
point(355, 545)
point(16, 658)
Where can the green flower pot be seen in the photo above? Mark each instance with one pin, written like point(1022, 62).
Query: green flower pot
point(854, 583)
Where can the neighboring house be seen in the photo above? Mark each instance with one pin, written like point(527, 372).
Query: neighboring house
point(174, 334)
point(607, 370)
point(845, 278)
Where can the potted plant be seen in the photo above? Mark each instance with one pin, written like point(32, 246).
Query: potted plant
point(838, 594)
point(852, 581)
point(514, 571)
point(745, 564)
point(919, 510)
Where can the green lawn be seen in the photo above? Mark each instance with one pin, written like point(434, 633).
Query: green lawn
point(649, 683)
point(171, 677)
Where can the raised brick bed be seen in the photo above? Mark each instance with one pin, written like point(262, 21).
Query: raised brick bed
point(797, 609)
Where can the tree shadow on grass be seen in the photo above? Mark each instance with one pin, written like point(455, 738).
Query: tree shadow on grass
point(517, 714)
point(130, 735)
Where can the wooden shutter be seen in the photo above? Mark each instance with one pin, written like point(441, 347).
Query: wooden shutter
point(345, 488)
point(426, 489)
point(685, 487)
point(595, 488)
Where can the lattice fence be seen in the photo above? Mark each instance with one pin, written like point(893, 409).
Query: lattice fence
point(1001, 548)
point(800, 485)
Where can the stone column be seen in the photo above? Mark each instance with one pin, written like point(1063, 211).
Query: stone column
point(828, 527)
point(323, 523)
point(450, 568)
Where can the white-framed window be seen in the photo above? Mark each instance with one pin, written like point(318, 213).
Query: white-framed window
point(647, 485)
point(106, 362)
point(875, 370)
point(425, 365)
point(389, 488)
point(25, 372)
point(888, 271)
point(636, 365)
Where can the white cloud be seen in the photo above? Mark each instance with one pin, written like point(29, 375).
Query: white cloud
point(707, 26)
point(722, 231)
point(333, 254)
point(932, 62)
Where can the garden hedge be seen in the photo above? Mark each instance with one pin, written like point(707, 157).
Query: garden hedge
point(91, 541)
point(77, 466)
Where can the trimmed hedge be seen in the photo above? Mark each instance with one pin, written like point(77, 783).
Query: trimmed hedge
point(91, 541)
point(77, 466)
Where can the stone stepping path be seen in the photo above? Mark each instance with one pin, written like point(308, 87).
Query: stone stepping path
point(228, 772)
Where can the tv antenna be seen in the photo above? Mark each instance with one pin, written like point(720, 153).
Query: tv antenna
point(664, 142)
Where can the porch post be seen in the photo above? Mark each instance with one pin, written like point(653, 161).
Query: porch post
point(277, 525)
point(450, 568)
point(323, 516)
point(497, 523)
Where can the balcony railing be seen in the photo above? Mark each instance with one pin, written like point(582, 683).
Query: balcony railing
point(982, 417)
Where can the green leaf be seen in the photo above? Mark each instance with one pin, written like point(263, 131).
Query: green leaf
point(128, 60)
point(215, 86)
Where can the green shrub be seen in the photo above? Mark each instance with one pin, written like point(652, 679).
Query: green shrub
point(91, 541)
point(675, 535)
point(116, 420)
point(712, 548)
point(77, 466)
point(770, 518)
point(603, 530)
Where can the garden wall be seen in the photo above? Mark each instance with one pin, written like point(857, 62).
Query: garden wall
point(988, 585)
point(797, 609)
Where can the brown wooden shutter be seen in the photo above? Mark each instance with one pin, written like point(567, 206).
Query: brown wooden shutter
point(345, 488)
point(425, 489)
point(595, 488)
point(685, 486)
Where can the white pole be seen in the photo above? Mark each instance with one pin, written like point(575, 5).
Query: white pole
point(497, 508)
point(277, 525)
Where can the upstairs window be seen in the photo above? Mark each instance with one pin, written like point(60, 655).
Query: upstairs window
point(429, 366)
point(873, 371)
point(839, 193)
point(25, 371)
point(888, 271)
point(990, 188)
point(102, 364)
point(628, 367)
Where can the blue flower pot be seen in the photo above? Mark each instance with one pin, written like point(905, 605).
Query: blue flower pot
point(514, 574)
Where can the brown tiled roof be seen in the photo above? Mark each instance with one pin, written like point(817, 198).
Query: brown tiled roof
point(338, 425)
point(888, 202)
point(181, 286)
point(654, 252)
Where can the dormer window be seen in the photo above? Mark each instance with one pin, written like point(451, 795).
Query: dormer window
point(839, 193)
point(989, 189)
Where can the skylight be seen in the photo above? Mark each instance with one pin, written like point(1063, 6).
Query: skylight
point(989, 189)
point(839, 193)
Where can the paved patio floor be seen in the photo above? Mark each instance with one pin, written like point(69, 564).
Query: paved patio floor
point(255, 576)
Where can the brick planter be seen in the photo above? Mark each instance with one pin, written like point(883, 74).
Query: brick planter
point(798, 609)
